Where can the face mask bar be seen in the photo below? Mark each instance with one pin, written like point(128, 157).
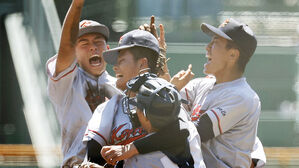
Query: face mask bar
point(129, 106)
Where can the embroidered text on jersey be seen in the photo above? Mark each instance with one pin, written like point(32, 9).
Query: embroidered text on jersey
point(122, 137)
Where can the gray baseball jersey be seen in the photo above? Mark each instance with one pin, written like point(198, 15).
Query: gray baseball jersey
point(109, 125)
point(67, 92)
point(230, 111)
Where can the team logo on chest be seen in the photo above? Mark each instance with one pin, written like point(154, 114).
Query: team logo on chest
point(197, 112)
point(122, 136)
point(94, 96)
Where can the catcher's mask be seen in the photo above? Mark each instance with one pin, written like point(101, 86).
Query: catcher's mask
point(158, 99)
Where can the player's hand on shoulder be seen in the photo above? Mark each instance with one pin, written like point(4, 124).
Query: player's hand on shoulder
point(182, 78)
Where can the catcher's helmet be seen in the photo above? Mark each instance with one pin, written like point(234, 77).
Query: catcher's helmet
point(159, 99)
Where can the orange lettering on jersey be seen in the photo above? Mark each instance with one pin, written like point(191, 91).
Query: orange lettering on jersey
point(197, 112)
point(195, 115)
point(126, 136)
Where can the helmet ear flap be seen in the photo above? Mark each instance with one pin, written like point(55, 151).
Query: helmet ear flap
point(163, 105)
point(144, 91)
point(167, 93)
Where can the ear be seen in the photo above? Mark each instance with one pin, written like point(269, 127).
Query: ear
point(143, 63)
point(234, 54)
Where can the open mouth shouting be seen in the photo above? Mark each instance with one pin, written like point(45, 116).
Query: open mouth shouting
point(95, 60)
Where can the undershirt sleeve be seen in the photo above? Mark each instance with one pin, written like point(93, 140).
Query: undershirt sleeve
point(205, 128)
point(170, 136)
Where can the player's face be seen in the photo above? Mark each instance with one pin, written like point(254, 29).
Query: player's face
point(217, 57)
point(126, 68)
point(89, 52)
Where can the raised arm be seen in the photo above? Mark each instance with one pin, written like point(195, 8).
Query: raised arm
point(162, 60)
point(182, 77)
point(70, 28)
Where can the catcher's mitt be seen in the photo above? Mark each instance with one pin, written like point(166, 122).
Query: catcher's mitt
point(161, 63)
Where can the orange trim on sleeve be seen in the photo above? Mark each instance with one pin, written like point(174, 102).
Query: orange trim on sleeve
point(187, 96)
point(219, 126)
point(55, 80)
point(99, 135)
point(187, 93)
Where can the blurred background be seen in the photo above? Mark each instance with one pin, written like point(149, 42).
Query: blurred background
point(30, 32)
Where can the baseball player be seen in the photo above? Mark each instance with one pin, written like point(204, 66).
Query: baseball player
point(137, 53)
point(157, 106)
point(223, 106)
point(76, 78)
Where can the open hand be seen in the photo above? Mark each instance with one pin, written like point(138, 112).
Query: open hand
point(152, 28)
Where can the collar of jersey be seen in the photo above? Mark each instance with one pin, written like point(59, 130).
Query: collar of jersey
point(98, 79)
point(230, 83)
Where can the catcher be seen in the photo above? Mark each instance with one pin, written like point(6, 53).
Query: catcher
point(157, 106)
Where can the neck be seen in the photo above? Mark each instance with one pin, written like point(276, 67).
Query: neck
point(228, 76)
point(95, 77)
point(98, 75)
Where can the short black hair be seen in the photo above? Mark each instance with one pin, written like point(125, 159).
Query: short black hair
point(243, 58)
point(142, 52)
